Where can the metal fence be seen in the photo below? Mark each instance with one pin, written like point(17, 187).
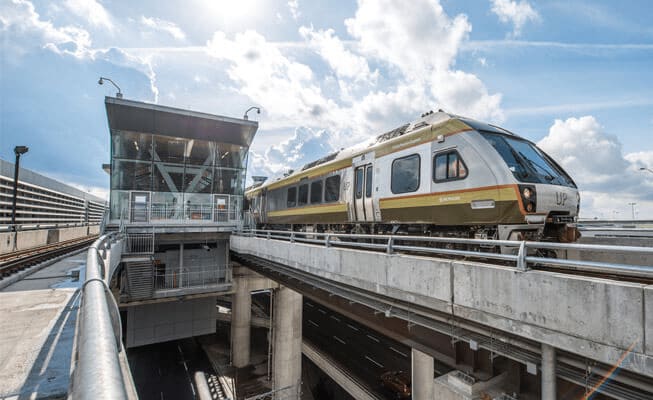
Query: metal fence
point(227, 210)
point(139, 243)
point(522, 254)
point(196, 278)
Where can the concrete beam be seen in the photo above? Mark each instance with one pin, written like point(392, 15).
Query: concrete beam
point(548, 372)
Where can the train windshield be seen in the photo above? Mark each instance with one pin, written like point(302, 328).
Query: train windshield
point(526, 161)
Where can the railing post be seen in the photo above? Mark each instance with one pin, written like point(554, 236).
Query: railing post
point(269, 235)
point(389, 249)
point(521, 258)
point(327, 240)
point(292, 237)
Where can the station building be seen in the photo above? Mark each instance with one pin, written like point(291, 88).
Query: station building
point(177, 183)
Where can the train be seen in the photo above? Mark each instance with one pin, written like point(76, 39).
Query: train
point(441, 175)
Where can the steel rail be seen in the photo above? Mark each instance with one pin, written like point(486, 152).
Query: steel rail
point(526, 252)
point(98, 374)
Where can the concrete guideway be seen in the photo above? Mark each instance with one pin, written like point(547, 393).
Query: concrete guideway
point(596, 318)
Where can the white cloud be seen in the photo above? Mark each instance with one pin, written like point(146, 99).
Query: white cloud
point(515, 13)
point(422, 42)
point(594, 159)
point(293, 6)
point(91, 11)
point(19, 18)
point(345, 63)
point(164, 26)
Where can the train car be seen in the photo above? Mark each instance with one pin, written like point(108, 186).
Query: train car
point(441, 175)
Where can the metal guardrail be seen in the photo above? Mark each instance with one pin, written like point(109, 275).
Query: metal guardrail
point(138, 243)
point(98, 373)
point(206, 277)
point(524, 255)
point(31, 227)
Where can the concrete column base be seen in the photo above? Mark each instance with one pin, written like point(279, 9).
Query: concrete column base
point(548, 372)
point(241, 316)
point(287, 342)
point(422, 375)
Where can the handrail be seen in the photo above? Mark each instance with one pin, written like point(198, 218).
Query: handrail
point(525, 253)
point(98, 373)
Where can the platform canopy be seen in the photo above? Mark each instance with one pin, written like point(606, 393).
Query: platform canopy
point(136, 116)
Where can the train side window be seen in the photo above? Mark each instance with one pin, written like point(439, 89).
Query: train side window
point(316, 192)
point(292, 197)
point(359, 182)
point(332, 188)
point(405, 174)
point(302, 197)
point(448, 167)
point(368, 181)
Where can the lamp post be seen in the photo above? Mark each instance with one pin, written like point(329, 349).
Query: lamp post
point(101, 81)
point(632, 205)
point(18, 150)
point(258, 111)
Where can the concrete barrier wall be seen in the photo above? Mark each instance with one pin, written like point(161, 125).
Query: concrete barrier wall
point(596, 318)
point(40, 237)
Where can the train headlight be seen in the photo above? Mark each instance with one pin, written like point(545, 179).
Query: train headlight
point(528, 197)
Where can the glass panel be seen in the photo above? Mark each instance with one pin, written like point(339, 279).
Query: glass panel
point(167, 205)
point(119, 204)
point(440, 172)
point(359, 182)
point(198, 206)
point(132, 145)
point(453, 166)
point(292, 197)
point(200, 152)
point(230, 155)
point(368, 181)
point(302, 197)
point(332, 188)
point(405, 174)
point(198, 179)
point(316, 192)
point(131, 175)
point(169, 149)
point(228, 181)
point(168, 177)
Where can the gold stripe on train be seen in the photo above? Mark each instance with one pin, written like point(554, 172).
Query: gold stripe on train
point(497, 193)
point(310, 210)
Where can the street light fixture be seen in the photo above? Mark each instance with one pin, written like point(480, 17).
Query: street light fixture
point(18, 150)
point(632, 205)
point(646, 169)
point(258, 111)
point(101, 81)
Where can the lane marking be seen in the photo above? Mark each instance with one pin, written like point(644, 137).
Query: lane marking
point(309, 304)
point(185, 366)
point(373, 338)
point(378, 364)
point(398, 352)
point(336, 318)
point(340, 340)
point(353, 327)
point(161, 395)
point(322, 311)
point(313, 323)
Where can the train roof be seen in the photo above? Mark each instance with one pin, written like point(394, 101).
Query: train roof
point(446, 124)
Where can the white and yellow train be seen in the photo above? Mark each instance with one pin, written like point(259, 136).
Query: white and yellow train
point(441, 175)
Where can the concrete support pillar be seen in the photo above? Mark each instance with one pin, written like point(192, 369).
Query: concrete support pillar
point(548, 372)
point(241, 315)
point(422, 376)
point(287, 342)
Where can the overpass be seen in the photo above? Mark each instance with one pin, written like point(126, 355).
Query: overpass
point(556, 319)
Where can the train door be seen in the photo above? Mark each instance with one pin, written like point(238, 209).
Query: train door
point(139, 207)
point(363, 188)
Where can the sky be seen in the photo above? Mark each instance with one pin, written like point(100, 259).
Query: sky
point(572, 76)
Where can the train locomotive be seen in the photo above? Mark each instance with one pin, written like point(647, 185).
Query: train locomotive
point(441, 175)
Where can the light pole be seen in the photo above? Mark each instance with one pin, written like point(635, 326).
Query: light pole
point(18, 150)
point(632, 205)
point(101, 81)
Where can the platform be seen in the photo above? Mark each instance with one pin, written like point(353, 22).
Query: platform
point(37, 332)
